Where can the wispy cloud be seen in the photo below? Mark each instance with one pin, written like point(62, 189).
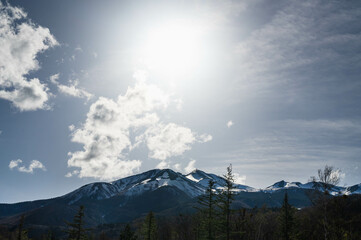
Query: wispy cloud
point(34, 164)
point(286, 145)
point(21, 41)
point(306, 45)
point(71, 89)
point(191, 166)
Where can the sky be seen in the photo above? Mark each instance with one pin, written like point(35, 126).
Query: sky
point(100, 90)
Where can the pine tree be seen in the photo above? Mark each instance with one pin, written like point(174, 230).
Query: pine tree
point(207, 207)
point(149, 230)
point(286, 219)
point(127, 233)
point(225, 199)
point(76, 229)
point(22, 233)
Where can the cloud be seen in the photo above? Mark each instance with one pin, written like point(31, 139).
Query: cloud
point(177, 167)
point(54, 78)
point(229, 123)
point(21, 41)
point(70, 90)
point(73, 91)
point(239, 179)
point(291, 52)
point(111, 125)
point(337, 174)
point(73, 173)
point(31, 95)
point(191, 166)
point(285, 145)
point(167, 140)
point(34, 164)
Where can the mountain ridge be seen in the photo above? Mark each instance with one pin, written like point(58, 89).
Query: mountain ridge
point(163, 191)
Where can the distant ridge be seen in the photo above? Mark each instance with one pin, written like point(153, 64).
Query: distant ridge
point(160, 190)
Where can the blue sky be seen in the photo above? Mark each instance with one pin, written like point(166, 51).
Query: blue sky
point(99, 90)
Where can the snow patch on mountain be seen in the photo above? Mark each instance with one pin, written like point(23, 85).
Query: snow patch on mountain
point(192, 184)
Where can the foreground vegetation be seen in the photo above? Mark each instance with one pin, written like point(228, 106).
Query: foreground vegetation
point(329, 218)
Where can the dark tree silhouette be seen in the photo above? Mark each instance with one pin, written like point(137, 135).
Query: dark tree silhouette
point(127, 233)
point(149, 230)
point(76, 229)
point(225, 199)
point(207, 208)
point(286, 219)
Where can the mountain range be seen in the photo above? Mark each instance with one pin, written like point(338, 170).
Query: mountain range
point(163, 191)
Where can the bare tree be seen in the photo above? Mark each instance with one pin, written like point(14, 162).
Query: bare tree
point(328, 177)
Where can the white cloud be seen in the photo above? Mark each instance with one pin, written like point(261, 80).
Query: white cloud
point(229, 123)
point(110, 126)
point(14, 163)
point(73, 91)
point(177, 167)
point(21, 41)
point(162, 165)
point(54, 78)
point(239, 179)
point(338, 174)
point(34, 164)
point(31, 95)
point(71, 127)
point(164, 141)
point(70, 90)
point(191, 166)
point(73, 173)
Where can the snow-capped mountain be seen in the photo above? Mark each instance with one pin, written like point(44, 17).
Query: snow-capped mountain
point(139, 184)
point(164, 191)
point(192, 184)
point(355, 189)
point(333, 190)
point(203, 179)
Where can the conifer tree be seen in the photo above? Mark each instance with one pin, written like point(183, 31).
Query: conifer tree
point(127, 233)
point(207, 207)
point(76, 229)
point(149, 230)
point(22, 233)
point(225, 199)
point(286, 219)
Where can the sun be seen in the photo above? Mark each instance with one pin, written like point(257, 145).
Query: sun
point(173, 48)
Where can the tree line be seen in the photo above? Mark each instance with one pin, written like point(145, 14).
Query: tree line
point(329, 218)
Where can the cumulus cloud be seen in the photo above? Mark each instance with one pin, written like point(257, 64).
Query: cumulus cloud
point(111, 125)
point(229, 123)
point(166, 140)
point(34, 164)
point(191, 166)
point(21, 41)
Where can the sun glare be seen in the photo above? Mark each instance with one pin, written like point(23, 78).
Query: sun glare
point(173, 48)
